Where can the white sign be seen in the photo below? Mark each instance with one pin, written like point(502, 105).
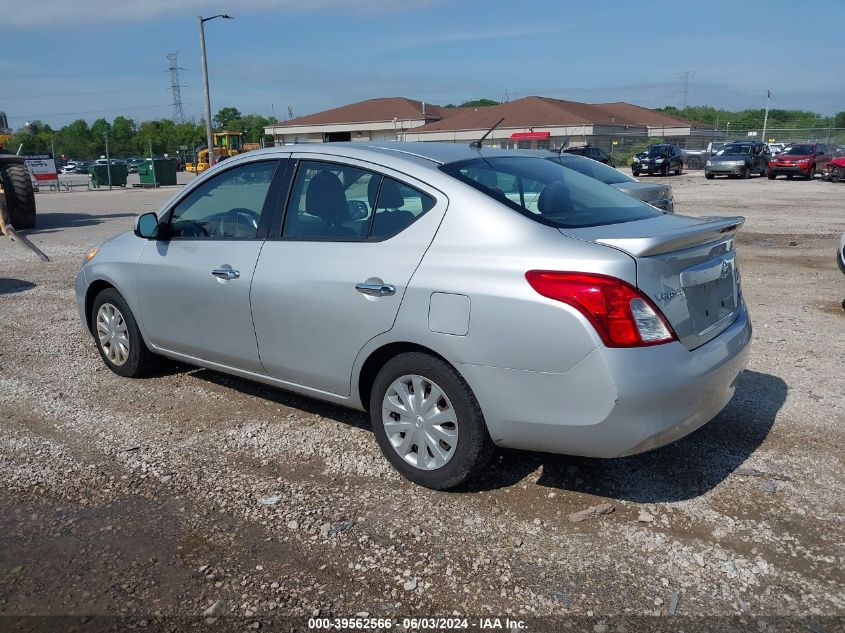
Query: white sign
point(752, 134)
point(42, 167)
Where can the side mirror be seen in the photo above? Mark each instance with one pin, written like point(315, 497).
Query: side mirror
point(147, 226)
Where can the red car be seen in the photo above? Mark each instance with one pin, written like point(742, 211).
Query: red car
point(800, 159)
point(836, 170)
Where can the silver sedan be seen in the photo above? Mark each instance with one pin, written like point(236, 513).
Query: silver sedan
point(466, 298)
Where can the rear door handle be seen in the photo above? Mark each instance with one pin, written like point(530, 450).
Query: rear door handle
point(226, 273)
point(376, 290)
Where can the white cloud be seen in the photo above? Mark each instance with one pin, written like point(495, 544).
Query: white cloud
point(55, 14)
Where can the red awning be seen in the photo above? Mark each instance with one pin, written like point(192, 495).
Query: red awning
point(530, 136)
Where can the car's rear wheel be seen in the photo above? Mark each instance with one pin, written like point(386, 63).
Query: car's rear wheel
point(118, 338)
point(427, 422)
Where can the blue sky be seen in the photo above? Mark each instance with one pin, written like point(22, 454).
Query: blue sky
point(58, 65)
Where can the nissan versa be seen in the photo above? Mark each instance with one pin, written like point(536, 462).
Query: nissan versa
point(467, 298)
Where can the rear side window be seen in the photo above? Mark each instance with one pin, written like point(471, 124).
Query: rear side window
point(330, 201)
point(397, 207)
point(549, 193)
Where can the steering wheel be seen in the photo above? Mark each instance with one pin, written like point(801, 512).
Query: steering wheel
point(242, 217)
point(189, 228)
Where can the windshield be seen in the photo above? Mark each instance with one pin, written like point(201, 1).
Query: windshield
point(549, 193)
point(799, 150)
point(735, 149)
point(592, 168)
point(657, 150)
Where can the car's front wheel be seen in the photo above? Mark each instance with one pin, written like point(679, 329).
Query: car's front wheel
point(709, 176)
point(117, 336)
point(812, 174)
point(427, 422)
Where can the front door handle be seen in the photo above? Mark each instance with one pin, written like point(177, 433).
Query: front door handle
point(376, 290)
point(226, 273)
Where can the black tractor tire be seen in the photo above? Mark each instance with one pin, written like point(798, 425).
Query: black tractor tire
point(20, 198)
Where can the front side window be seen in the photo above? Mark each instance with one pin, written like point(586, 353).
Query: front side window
point(330, 201)
point(228, 205)
point(549, 193)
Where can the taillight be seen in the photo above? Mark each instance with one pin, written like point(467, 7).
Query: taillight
point(620, 313)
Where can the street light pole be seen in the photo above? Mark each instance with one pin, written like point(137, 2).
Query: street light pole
point(208, 136)
point(766, 117)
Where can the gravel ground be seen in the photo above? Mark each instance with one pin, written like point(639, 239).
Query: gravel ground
point(191, 494)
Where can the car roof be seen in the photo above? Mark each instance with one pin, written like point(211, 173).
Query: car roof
point(430, 153)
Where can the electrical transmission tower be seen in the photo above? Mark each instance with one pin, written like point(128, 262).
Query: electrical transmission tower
point(176, 88)
point(685, 77)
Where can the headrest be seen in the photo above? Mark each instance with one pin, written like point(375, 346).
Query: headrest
point(554, 198)
point(325, 198)
point(389, 198)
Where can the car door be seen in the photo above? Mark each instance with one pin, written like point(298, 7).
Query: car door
point(193, 285)
point(352, 237)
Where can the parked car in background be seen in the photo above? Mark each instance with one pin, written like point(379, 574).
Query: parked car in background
point(589, 151)
point(695, 158)
point(657, 195)
point(69, 168)
point(835, 171)
point(133, 164)
point(800, 159)
point(600, 326)
point(82, 166)
point(776, 148)
point(739, 159)
point(658, 159)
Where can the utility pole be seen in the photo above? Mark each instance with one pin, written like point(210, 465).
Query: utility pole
point(766, 117)
point(176, 89)
point(108, 160)
point(209, 139)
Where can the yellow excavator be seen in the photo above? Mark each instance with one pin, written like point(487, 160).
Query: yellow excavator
point(226, 144)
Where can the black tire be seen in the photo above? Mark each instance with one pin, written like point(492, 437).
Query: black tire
point(140, 359)
point(709, 176)
point(789, 176)
point(771, 176)
point(635, 173)
point(664, 170)
point(20, 198)
point(473, 449)
point(746, 173)
point(812, 174)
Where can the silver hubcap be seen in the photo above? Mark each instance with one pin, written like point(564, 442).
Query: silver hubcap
point(420, 422)
point(111, 331)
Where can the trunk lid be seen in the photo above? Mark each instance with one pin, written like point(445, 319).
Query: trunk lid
point(686, 266)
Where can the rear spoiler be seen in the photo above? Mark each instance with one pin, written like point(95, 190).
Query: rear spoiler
point(678, 238)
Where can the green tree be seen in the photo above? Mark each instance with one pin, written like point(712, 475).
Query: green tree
point(122, 136)
point(225, 118)
point(839, 119)
point(474, 103)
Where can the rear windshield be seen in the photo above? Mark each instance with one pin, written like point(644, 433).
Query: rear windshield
point(592, 168)
point(549, 193)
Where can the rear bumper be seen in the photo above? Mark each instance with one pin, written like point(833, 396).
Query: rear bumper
point(615, 402)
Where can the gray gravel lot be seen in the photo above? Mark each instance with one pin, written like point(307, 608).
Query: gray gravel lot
point(191, 493)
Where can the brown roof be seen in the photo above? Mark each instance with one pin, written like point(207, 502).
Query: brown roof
point(630, 114)
point(525, 112)
point(384, 109)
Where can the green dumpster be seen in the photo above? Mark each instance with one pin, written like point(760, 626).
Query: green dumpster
point(100, 175)
point(161, 171)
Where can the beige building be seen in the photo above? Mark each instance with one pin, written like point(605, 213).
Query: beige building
point(530, 122)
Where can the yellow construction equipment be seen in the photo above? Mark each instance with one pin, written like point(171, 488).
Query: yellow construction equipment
point(226, 144)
